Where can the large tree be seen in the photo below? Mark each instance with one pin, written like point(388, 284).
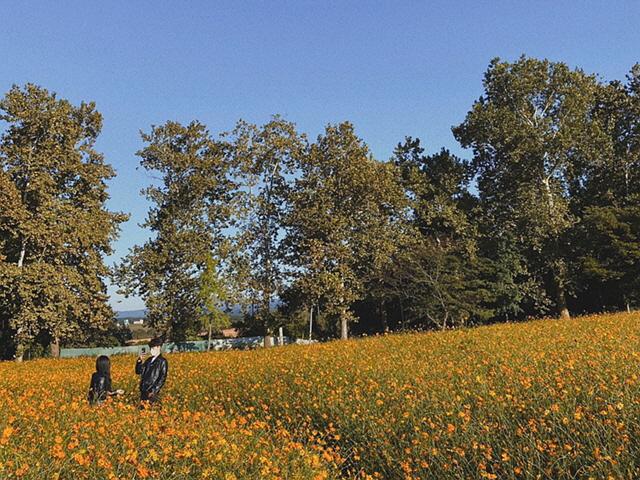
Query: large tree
point(342, 223)
point(190, 208)
point(530, 131)
point(435, 277)
point(54, 227)
point(264, 160)
point(607, 199)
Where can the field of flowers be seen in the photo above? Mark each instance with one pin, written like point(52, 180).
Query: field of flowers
point(546, 399)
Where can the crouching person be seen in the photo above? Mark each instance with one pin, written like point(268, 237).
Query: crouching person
point(152, 371)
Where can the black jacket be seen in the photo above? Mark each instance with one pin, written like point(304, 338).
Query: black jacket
point(152, 374)
point(100, 388)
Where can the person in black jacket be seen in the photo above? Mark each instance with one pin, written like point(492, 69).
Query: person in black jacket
point(100, 387)
point(152, 371)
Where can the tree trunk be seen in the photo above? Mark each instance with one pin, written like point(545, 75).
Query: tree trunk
point(268, 339)
point(559, 273)
point(209, 337)
point(344, 331)
point(561, 299)
point(310, 321)
point(55, 347)
point(19, 352)
point(23, 252)
point(20, 347)
point(383, 317)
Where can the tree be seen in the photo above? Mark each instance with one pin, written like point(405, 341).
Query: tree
point(438, 288)
point(213, 296)
point(54, 227)
point(614, 180)
point(435, 276)
point(531, 129)
point(436, 187)
point(607, 199)
point(264, 159)
point(516, 289)
point(191, 207)
point(607, 252)
point(342, 222)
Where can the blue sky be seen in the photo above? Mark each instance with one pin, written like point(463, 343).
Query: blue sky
point(393, 68)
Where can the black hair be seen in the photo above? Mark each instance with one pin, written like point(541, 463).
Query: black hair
point(155, 342)
point(103, 365)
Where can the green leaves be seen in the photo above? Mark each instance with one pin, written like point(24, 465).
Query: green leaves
point(190, 209)
point(54, 226)
point(265, 160)
point(543, 214)
point(342, 221)
point(533, 132)
point(213, 295)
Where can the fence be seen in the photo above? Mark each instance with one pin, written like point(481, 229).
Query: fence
point(242, 343)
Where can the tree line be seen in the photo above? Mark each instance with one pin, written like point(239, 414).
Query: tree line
point(319, 237)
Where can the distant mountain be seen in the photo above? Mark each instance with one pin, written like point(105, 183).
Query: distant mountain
point(131, 314)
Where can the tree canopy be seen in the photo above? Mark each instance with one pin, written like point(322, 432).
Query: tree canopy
point(319, 236)
point(54, 227)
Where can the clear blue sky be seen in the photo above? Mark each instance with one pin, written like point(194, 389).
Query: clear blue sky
point(393, 68)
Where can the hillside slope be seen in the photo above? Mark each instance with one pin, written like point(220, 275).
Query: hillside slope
point(545, 399)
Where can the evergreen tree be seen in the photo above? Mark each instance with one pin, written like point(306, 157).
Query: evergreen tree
point(436, 274)
point(607, 199)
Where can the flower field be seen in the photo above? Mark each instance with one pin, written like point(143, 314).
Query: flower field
point(546, 399)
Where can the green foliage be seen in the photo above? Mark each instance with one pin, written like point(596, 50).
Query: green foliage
point(608, 257)
point(435, 279)
point(323, 226)
point(342, 222)
point(532, 133)
point(54, 227)
point(191, 206)
point(265, 159)
point(213, 296)
point(605, 242)
point(544, 217)
point(436, 187)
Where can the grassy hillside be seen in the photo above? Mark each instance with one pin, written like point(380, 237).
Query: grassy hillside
point(545, 399)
